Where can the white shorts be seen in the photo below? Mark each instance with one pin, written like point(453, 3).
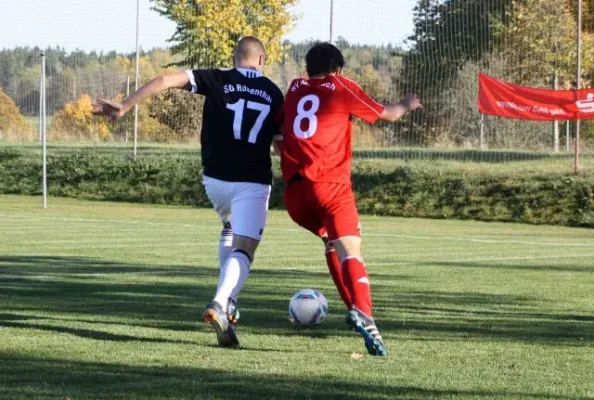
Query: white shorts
point(243, 204)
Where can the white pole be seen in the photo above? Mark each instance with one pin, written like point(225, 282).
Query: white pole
point(137, 75)
point(555, 123)
point(567, 138)
point(331, 20)
point(41, 104)
point(578, 86)
point(127, 95)
point(44, 130)
point(482, 137)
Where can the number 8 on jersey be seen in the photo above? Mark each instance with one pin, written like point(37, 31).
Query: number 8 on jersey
point(313, 103)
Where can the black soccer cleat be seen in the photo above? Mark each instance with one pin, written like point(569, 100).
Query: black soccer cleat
point(365, 326)
point(222, 324)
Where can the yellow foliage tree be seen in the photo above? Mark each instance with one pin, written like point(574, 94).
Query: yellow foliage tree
point(539, 43)
point(13, 125)
point(207, 30)
point(76, 122)
point(150, 129)
point(371, 81)
point(155, 63)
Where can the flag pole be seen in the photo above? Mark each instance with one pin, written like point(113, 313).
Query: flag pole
point(482, 137)
point(137, 76)
point(43, 131)
point(331, 20)
point(578, 85)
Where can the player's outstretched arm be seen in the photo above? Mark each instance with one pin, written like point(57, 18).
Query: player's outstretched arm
point(157, 85)
point(393, 113)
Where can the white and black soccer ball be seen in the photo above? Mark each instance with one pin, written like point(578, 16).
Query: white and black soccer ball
point(308, 307)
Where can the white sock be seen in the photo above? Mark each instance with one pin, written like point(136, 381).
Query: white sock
point(233, 276)
point(225, 247)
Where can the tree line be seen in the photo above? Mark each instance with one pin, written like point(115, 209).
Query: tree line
point(530, 42)
point(74, 80)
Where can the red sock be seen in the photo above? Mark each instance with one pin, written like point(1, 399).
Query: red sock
point(336, 272)
point(357, 281)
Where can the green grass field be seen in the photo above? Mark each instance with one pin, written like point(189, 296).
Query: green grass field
point(103, 301)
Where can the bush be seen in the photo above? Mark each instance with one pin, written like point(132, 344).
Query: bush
point(547, 199)
point(75, 122)
point(408, 191)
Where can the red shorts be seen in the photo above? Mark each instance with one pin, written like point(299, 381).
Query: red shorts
point(323, 208)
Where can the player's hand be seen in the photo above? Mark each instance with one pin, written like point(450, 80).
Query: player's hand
point(412, 102)
point(108, 108)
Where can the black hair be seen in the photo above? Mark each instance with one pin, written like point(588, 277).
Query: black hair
point(323, 59)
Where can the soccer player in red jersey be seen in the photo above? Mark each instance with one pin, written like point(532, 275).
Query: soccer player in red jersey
point(316, 156)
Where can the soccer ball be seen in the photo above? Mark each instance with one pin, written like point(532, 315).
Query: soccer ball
point(308, 307)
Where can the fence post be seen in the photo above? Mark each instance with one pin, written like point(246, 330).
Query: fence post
point(331, 20)
point(42, 121)
point(555, 123)
point(41, 102)
point(482, 134)
point(578, 85)
point(137, 76)
point(567, 136)
point(127, 95)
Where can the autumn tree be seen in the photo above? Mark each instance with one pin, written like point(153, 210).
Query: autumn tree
point(207, 30)
point(539, 43)
point(12, 123)
point(587, 13)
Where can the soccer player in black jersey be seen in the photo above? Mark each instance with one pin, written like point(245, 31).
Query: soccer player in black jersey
point(237, 130)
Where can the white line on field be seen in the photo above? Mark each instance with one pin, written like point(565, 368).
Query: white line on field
point(483, 259)
point(495, 241)
point(114, 221)
point(382, 235)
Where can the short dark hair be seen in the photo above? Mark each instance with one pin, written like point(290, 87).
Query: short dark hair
point(249, 47)
point(323, 59)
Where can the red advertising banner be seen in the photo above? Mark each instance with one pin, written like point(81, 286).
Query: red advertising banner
point(514, 101)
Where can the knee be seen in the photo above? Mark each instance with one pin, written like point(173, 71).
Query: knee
point(328, 246)
point(245, 245)
point(349, 246)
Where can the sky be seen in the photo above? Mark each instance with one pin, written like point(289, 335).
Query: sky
point(104, 25)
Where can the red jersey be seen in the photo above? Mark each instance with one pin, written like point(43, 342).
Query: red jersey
point(317, 124)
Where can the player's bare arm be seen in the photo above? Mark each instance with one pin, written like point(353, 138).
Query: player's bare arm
point(278, 143)
point(157, 85)
point(393, 113)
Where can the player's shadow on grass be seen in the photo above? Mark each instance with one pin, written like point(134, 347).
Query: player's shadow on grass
point(85, 333)
point(478, 316)
point(162, 297)
point(57, 378)
point(172, 298)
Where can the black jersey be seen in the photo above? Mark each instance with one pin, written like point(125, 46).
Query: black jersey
point(238, 123)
